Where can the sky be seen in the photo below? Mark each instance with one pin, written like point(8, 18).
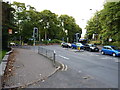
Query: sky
point(78, 9)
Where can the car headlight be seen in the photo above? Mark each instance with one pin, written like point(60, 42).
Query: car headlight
point(118, 52)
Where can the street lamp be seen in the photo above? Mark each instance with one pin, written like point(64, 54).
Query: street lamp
point(95, 33)
point(66, 31)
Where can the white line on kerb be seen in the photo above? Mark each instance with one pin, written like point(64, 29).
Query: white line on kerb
point(63, 57)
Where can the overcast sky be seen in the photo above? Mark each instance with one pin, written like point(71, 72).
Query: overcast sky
point(79, 9)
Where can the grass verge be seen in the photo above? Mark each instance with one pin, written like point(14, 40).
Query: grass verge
point(2, 54)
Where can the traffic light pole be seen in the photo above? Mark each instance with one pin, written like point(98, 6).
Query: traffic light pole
point(34, 42)
point(35, 35)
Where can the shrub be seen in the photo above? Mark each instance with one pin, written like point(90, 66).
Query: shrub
point(56, 41)
point(45, 42)
point(95, 42)
point(30, 42)
point(116, 43)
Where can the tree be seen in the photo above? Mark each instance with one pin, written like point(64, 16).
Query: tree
point(49, 24)
point(108, 23)
point(68, 23)
point(7, 23)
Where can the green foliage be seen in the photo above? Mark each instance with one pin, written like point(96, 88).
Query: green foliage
point(7, 23)
point(45, 42)
point(55, 41)
point(48, 23)
point(2, 54)
point(95, 42)
point(30, 42)
point(68, 23)
point(106, 23)
point(116, 43)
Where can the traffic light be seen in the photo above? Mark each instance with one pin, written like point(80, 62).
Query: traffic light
point(77, 37)
point(35, 32)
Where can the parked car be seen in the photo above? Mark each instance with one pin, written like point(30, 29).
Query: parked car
point(66, 45)
point(111, 50)
point(73, 46)
point(80, 45)
point(76, 45)
point(91, 47)
point(12, 44)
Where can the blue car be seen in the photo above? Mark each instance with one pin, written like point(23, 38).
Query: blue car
point(73, 46)
point(111, 50)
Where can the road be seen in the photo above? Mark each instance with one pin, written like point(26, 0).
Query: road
point(82, 69)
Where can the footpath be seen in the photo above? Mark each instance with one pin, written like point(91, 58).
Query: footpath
point(28, 68)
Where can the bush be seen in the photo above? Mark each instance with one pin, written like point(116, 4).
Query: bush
point(116, 43)
point(52, 41)
point(55, 41)
point(95, 42)
point(45, 42)
point(30, 42)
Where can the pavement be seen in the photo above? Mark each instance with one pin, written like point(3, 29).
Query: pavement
point(29, 68)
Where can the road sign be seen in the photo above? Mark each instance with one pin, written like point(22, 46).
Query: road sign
point(10, 31)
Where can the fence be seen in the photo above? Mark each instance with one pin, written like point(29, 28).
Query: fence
point(47, 53)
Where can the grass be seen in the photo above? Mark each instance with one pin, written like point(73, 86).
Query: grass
point(2, 54)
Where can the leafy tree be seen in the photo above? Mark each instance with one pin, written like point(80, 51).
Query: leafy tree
point(107, 23)
point(50, 26)
point(68, 23)
point(7, 23)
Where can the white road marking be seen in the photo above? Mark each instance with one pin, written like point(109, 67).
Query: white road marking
point(63, 66)
point(79, 71)
point(66, 67)
point(108, 58)
point(63, 57)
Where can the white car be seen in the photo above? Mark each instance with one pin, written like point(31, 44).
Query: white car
point(12, 44)
point(69, 44)
point(79, 45)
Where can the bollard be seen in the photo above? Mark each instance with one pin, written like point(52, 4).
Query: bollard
point(54, 58)
point(79, 48)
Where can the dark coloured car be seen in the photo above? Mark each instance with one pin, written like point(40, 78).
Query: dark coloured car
point(111, 50)
point(91, 47)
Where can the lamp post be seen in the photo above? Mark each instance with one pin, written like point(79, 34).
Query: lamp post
point(95, 33)
point(66, 31)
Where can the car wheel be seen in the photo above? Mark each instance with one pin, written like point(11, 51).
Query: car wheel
point(114, 54)
point(83, 48)
point(90, 50)
point(102, 53)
